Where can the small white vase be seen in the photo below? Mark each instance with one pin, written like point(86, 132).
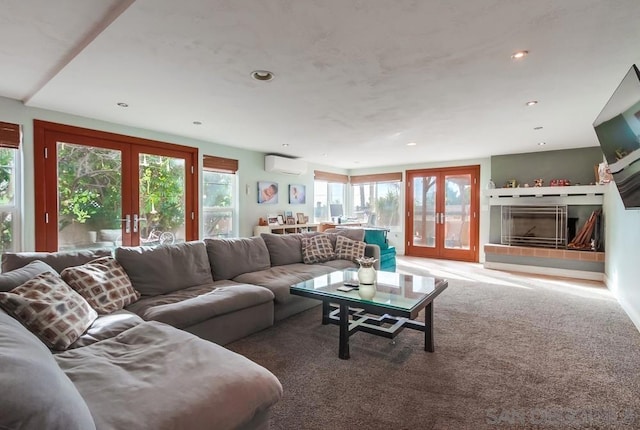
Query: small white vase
point(366, 275)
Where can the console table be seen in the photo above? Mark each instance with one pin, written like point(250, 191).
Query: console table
point(327, 225)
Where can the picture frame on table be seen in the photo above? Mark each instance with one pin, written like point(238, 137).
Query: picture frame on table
point(280, 220)
point(300, 218)
point(291, 220)
point(272, 220)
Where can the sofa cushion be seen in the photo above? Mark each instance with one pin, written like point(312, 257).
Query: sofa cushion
point(58, 260)
point(48, 307)
point(279, 279)
point(35, 393)
point(17, 277)
point(347, 249)
point(317, 249)
point(283, 248)
point(165, 378)
point(103, 283)
point(106, 327)
point(166, 268)
point(232, 257)
point(193, 305)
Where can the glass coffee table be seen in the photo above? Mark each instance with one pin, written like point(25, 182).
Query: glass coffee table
point(383, 309)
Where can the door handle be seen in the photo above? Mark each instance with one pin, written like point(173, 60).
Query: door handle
point(136, 222)
point(441, 217)
point(127, 223)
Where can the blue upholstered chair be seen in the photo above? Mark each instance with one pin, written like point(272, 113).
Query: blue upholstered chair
point(378, 236)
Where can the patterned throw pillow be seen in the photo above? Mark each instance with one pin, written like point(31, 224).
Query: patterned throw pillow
point(348, 249)
point(317, 249)
point(103, 283)
point(50, 309)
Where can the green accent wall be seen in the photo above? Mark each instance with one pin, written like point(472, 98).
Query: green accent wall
point(575, 165)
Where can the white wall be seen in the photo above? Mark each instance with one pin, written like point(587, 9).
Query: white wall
point(622, 258)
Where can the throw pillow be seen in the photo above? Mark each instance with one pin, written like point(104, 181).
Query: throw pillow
point(48, 307)
point(317, 249)
point(17, 277)
point(347, 249)
point(103, 283)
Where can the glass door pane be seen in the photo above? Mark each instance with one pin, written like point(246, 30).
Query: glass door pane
point(161, 200)
point(457, 211)
point(89, 196)
point(424, 211)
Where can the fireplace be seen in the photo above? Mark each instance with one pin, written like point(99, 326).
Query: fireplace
point(537, 226)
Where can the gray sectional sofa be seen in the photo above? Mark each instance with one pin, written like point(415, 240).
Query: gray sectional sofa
point(142, 367)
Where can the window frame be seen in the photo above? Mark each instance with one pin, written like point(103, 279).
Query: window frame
point(16, 207)
point(233, 208)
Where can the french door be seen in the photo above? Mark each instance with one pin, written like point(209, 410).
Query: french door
point(97, 189)
point(442, 213)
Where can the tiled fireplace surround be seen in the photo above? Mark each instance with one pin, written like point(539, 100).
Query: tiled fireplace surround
point(561, 254)
point(584, 264)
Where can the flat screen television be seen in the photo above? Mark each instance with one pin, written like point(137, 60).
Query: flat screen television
point(336, 210)
point(618, 130)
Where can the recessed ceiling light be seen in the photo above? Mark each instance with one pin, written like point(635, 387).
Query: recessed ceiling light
point(411, 144)
point(519, 55)
point(262, 75)
point(122, 104)
point(532, 102)
point(542, 143)
point(197, 123)
point(284, 145)
point(538, 127)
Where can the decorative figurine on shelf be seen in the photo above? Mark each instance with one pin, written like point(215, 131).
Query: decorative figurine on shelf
point(262, 222)
point(538, 182)
point(511, 183)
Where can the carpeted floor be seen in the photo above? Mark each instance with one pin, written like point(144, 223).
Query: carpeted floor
point(512, 351)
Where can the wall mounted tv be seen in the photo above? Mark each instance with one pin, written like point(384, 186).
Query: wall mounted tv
point(618, 130)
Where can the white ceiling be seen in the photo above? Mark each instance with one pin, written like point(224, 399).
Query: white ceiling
point(355, 79)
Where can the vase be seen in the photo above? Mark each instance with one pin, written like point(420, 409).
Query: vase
point(366, 275)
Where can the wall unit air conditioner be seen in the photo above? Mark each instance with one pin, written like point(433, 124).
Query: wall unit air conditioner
point(290, 166)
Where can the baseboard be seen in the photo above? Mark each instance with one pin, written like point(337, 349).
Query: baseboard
point(632, 313)
point(538, 270)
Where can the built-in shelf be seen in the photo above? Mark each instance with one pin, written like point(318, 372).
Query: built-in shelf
point(284, 229)
point(567, 195)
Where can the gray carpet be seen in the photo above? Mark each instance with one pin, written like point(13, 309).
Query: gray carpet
point(524, 354)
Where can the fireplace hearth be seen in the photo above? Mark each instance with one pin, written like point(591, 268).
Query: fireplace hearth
point(535, 226)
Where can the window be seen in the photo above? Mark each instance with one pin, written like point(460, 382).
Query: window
point(219, 197)
point(376, 199)
point(103, 189)
point(328, 189)
point(10, 138)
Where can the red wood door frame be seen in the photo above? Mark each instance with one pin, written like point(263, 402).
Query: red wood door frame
point(46, 137)
point(439, 250)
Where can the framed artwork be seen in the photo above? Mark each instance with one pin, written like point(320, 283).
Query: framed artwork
point(291, 220)
point(267, 192)
point(287, 214)
point(280, 220)
point(272, 220)
point(297, 194)
point(301, 217)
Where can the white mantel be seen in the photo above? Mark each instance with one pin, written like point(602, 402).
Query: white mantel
point(567, 195)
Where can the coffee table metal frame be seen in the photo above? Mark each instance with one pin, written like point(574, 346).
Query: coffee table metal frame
point(353, 314)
